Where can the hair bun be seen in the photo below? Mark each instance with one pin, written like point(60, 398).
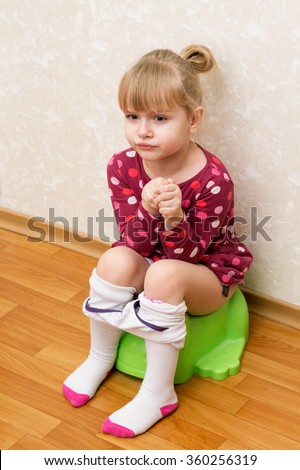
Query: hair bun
point(200, 57)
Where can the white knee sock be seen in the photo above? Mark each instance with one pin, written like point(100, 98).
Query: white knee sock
point(82, 384)
point(105, 298)
point(156, 397)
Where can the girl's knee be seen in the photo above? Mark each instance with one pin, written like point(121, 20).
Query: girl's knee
point(122, 266)
point(163, 282)
point(161, 270)
point(110, 256)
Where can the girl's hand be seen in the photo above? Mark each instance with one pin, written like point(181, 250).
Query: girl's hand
point(149, 194)
point(168, 200)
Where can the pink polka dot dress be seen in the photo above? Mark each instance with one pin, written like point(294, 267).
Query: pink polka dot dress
point(206, 234)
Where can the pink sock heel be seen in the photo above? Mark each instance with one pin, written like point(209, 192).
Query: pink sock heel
point(76, 399)
point(166, 410)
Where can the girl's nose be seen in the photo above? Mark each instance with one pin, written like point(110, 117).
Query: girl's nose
point(145, 129)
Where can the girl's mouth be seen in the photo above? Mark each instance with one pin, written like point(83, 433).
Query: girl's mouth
point(144, 146)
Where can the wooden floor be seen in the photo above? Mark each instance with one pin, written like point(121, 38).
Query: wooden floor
point(44, 336)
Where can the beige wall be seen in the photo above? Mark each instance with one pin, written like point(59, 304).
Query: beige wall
point(61, 61)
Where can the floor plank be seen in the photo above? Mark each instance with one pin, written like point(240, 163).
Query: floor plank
point(9, 435)
point(78, 275)
point(234, 428)
point(37, 281)
point(26, 418)
point(270, 370)
point(29, 442)
point(75, 438)
point(213, 395)
point(270, 394)
point(270, 417)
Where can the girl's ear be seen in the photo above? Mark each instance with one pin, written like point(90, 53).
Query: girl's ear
point(196, 118)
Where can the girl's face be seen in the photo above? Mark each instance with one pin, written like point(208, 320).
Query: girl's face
point(158, 135)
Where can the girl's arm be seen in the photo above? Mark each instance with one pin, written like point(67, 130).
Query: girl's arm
point(138, 229)
point(203, 223)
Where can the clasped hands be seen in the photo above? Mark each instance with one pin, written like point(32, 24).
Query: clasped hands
point(161, 196)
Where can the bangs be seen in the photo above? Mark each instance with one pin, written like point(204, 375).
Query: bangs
point(151, 87)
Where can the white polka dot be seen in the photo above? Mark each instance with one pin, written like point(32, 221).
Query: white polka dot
point(131, 153)
point(210, 184)
point(215, 223)
point(214, 265)
point(119, 163)
point(215, 190)
point(242, 249)
point(141, 184)
point(114, 181)
point(178, 251)
point(140, 215)
point(132, 200)
point(231, 273)
point(218, 210)
point(226, 177)
point(194, 252)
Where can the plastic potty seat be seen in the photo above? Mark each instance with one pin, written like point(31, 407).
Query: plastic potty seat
point(213, 347)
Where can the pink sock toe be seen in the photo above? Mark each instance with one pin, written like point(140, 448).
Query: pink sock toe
point(117, 430)
point(76, 399)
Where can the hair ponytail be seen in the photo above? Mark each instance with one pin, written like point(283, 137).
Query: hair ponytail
point(200, 57)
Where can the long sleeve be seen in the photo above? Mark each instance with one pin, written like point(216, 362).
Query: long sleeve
point(137, 228)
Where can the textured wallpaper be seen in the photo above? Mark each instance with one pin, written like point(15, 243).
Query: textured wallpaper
point(61, 62)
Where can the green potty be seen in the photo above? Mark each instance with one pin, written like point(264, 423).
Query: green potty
point(213, 347)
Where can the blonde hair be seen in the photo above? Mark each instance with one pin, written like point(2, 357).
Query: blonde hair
point(163, 80)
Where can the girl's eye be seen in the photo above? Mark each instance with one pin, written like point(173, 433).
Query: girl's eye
point(160, 118)
point(131, 116)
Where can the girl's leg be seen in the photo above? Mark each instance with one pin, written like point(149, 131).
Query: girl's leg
point(110, 298)
point(156, 397)
point(195, 283)
point(170, 286)
point(82, 384)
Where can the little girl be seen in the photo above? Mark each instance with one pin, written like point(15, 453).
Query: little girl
point(178, 251)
